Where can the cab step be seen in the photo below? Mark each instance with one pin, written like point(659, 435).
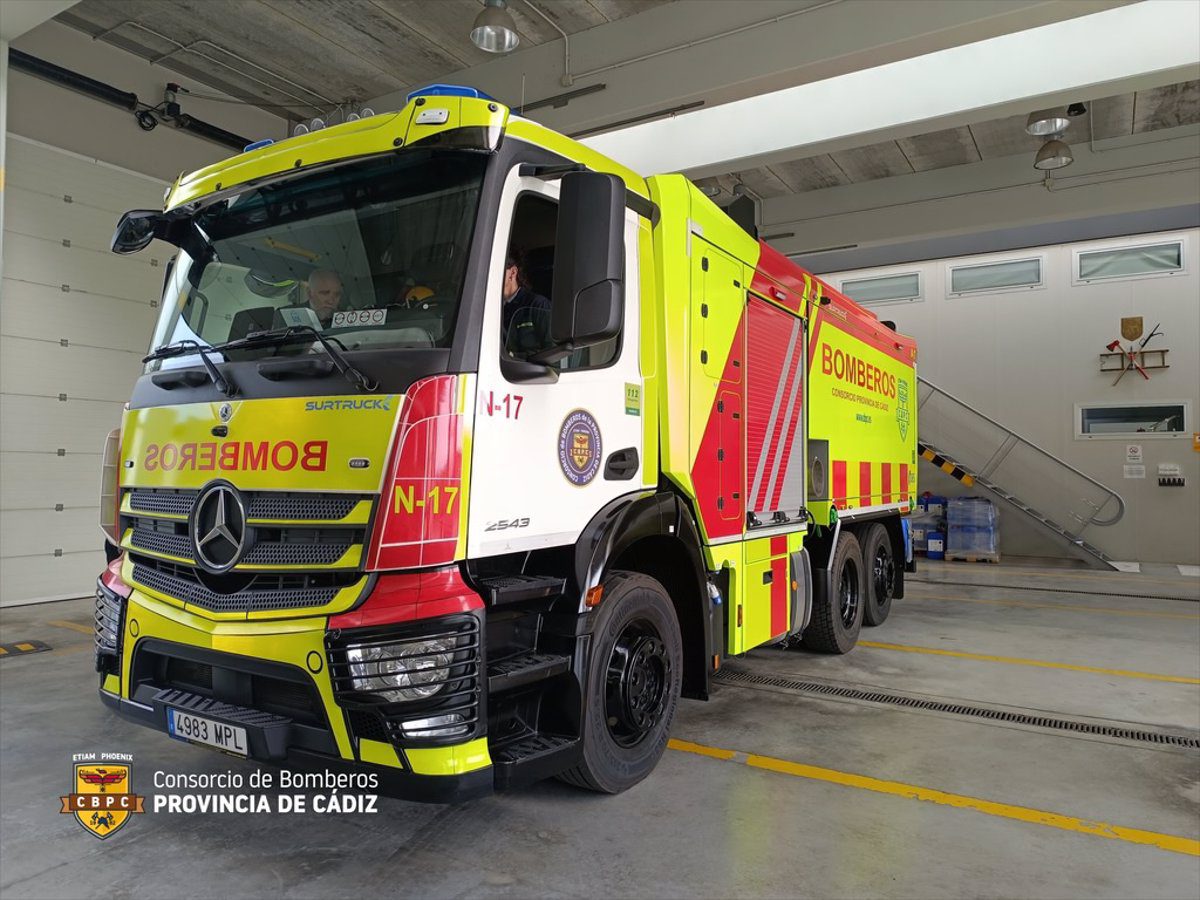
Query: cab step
point(500, 589)
point(525, 668)
point(532, 757)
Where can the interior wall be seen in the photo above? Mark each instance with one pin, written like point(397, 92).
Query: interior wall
point(62, 118)
point(1026, 357)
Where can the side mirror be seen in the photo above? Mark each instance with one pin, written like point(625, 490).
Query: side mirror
point(587, 301)
point(137, 229)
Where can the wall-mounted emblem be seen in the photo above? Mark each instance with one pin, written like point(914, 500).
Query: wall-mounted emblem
point(579, 447)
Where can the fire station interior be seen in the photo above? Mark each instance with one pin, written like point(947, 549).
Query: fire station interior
point(1014, 184)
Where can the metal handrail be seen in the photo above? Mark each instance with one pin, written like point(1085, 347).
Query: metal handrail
point(1112, 495)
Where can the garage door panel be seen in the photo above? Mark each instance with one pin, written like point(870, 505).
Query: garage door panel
point(41, 480)
point(37, 215)
point(61, 210)
point(45, 424)
point(37, 310)
point(55, 173)
point(33, 367)
point(42, 531)
point(50, 577)
point(49, 262)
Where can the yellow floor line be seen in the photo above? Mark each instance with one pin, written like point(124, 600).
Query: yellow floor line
point(1039, 663)
point(74, 626)
point(1170, 842)
point(1189, 617)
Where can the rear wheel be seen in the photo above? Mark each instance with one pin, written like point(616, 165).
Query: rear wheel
point(880, 563)
point(634, 677)
point(838, 607)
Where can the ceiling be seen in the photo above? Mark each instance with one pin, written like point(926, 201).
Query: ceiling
point(306, 57)
point(1110, 117)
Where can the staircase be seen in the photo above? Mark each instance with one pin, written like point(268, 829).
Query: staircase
point(977, 450)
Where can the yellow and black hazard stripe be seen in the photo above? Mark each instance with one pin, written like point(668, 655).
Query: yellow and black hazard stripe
point(950, 468)
point(23, 647)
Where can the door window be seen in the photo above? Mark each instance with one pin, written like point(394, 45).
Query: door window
point(527, 286)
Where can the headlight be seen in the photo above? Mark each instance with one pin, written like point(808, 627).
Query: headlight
point(409, 671)
point(109, 615)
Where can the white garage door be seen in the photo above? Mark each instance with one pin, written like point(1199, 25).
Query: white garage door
point(75, 320)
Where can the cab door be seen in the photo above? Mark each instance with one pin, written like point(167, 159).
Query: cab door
point(547, 457)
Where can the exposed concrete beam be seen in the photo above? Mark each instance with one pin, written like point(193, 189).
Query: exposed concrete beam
point(21, 16)
point(799, 41)
point(1076, 59)
point(1130, 174)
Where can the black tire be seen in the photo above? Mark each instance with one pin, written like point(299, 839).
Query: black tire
point(879, 561)
point(635, 672)
point(838, 602)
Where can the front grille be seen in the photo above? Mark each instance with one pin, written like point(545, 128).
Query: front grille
point(307, 552)
point(379, 717)
point(300, 532)
point(299, 507)
point(167, 502)
point(246, 594)
point(276, 505)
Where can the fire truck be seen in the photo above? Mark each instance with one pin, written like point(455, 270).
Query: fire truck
point(462, 452)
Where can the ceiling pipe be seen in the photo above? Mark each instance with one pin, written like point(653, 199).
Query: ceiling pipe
point(127, 100)
point(567, 78)
point(180, 47)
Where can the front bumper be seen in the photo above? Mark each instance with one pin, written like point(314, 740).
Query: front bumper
point(393, 782)
point(285, 659)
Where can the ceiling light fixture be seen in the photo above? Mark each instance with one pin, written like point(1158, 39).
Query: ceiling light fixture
point(494, 30)
point(1047, 122)
point(1054, 154)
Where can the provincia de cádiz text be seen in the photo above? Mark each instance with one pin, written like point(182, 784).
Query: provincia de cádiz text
point(265, 791)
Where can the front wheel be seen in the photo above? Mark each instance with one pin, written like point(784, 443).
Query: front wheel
point(881, 574)
point(635, 673)
point(838, 605)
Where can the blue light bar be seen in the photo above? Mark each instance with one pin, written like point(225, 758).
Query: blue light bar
point(448, 90)
point(265, 142)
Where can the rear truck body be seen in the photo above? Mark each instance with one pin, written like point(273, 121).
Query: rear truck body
point(384, 540)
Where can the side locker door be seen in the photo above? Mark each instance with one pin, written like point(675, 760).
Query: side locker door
point(718, 380)
point(775, 370)
point(547, 457)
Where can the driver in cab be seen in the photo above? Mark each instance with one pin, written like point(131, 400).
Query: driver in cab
point(325, 294)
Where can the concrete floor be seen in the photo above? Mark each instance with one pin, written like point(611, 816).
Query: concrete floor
point(837, 825)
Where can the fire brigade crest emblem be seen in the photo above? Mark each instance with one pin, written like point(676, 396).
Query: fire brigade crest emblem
point(103, 800)
point(579, 447)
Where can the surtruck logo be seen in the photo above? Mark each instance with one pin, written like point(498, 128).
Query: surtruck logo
point(902, 413)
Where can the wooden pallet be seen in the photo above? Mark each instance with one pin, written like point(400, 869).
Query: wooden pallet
point(972, 557)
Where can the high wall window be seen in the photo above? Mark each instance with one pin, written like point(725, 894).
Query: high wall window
point(1165, 258)
point(883, 288)
point(1007, 275)
point(1117, 419)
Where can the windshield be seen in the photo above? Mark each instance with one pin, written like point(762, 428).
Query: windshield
point(371, 253)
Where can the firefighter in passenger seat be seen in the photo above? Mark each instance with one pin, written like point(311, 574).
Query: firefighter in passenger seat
point(526, 314)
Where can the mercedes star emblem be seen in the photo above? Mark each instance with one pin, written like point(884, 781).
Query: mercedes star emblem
point(225, 411)
point(218, 528)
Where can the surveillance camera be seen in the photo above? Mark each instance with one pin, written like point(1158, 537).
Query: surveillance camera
point(1076, 109)
point(146, 120)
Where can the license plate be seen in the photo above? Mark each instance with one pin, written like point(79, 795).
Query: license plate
point(198, 730)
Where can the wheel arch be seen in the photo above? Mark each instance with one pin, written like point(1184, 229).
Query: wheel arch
point(654, 534)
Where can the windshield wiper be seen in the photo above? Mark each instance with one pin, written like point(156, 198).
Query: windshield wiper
point(185, 347)
point(293, 332)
